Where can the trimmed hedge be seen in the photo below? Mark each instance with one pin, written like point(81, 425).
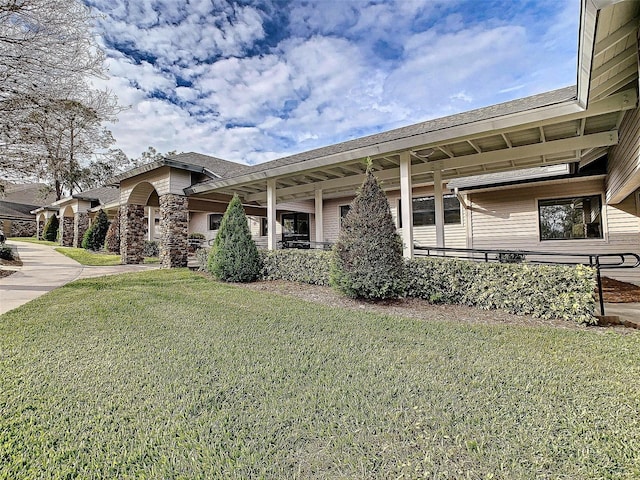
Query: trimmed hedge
point(303, 266)
point(543, 291)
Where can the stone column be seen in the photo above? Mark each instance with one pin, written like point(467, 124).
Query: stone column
point(174, 223)
point(132, 230)
point(66, 233)
point(80, 225)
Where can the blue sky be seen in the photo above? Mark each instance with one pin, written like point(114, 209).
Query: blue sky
point(251, 81)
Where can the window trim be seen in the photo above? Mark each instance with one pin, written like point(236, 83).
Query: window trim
point(340, 213)
point(445, 195)
point(604, 225)
point(209, 221)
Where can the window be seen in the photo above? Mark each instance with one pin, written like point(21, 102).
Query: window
point(424, 211)
point(264, 227)
point(344, 210)
point(214, 221)
point(570, 218)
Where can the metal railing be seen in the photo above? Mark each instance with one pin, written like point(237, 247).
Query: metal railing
point(599, 261)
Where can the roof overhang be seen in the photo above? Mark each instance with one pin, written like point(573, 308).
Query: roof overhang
point(164, 162)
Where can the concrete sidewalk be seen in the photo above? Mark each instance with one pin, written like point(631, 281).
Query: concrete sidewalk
point(43, 270)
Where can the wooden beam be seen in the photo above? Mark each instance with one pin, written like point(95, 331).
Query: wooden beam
point(474, 146)
point(506, 140)
point(445, 150)
point(542, 137)
point(406, 198)
point(614, 83)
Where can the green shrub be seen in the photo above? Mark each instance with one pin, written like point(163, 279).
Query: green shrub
point(112, 239)
point(50, 232)
point(368, 259)
point(202, 255)
point(303, 266)
point(6, 252)
point(543, 291)
point(151, 249)
point(95, 235)
point(234, 255)
point(196, 236)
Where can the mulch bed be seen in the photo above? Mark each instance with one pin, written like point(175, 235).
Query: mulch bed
point(615, 291)
point(10, 263)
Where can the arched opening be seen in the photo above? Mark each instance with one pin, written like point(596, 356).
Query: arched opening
point(41, 220)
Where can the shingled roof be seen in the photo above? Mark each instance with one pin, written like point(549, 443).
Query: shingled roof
point(499, 110)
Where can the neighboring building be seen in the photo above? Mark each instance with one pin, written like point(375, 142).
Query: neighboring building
point(559, 171)
point(16, 205)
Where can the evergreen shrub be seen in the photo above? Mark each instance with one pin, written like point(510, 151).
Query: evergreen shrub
point(368, 259)
point(6, 252)
point(50, 232)
point(95, 235)
point(293, 265)
point(234, 255)
point(112, 240)
point(151, 248)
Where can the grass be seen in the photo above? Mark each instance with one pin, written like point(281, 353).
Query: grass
point(87, 257)
point(34, 240)
point(167, 374)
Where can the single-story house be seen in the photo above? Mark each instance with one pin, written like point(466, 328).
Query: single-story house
point(558, 171)
point(16, 205)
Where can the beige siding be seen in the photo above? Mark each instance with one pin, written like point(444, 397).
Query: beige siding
point(508, 219)
point(178, 181)
point(159, 179)
point(624, 159)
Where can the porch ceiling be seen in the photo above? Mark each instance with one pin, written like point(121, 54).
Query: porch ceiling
point(575, 137)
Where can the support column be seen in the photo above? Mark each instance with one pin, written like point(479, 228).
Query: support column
point(439, 205)
point(151, 223)
point(66, 232)
point(174, 221)
point(80, 225)
point(38, 228)
point(271, 215)
point(318, 216)
point(406, 199)
point(132, 233)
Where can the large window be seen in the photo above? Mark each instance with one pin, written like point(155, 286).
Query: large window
point(570, 218)
point(424, 211)
point(214, 221)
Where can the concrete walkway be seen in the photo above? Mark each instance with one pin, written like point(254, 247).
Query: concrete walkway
point(43, 269)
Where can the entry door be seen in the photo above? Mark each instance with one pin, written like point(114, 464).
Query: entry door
point(295, 226)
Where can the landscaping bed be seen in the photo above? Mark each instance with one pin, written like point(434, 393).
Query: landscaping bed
point(615, 291)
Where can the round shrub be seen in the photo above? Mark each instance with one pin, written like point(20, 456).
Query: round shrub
point(368, 259)
point(234, 255)
point(6, 252)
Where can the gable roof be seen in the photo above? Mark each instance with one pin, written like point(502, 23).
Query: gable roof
point(195, 162)
point(32, 194)
point(103, 195)
point(17, 211)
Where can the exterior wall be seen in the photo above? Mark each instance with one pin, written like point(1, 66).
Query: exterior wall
point(132, 233)
point(159, 178)
point(509, 219)
point(18, 228)
point(178, 181)
point(455, 235)
point(80, 226)
point(174, 222)
point(66, 235)
point(624, 158)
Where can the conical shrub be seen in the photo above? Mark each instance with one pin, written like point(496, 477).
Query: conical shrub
point(112, 240)
point(368, 259)
point(94, 236)
point(50, 232)
point(234, 255)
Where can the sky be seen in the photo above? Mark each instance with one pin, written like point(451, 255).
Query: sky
point(251, 81)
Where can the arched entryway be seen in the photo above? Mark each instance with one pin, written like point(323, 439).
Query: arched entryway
point(174, 224)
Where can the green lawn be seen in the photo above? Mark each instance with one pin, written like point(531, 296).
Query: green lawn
point(87, 257)
point(167, 374)
point(34, 240)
